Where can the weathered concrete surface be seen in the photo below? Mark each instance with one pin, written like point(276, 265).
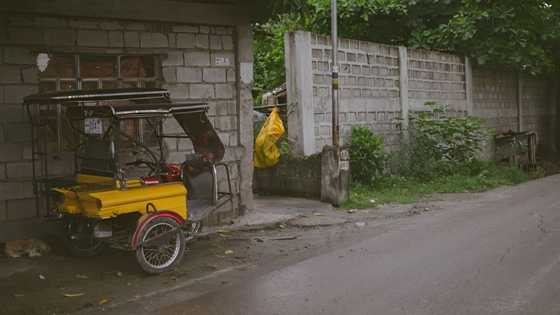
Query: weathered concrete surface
point(495, 253)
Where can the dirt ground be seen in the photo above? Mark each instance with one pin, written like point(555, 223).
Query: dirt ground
point(61, 284)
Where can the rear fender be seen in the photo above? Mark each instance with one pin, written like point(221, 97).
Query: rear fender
point(146, 218)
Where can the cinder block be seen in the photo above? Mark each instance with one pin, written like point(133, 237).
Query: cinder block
point(10, 74)
point(202, 41)
point(186, 40)
point(12, 113)
point(18, 56)
point(185, 29)
point(135, 26)
point(131, 39)
point(90, 38)
point(184, 145)
point(30, 74)
point(51, 22)
point(26, 36)
point(20, 209)
point(19, 170)
point(153, 40)
point(116, 39)
point(15, 190)
point(85, 24)
point(174, 58)
point(18, 132)
point(3, 211)
point(177, 91)
point(60, 37)
point(215, 42)
point(225, 91)
point(169, 74)
point(231, 75)
point(172, 40)
point(222, 30)
point(111, 25)
point(14, 94)
point(189, 75)
point(197, 58)
point(214, 75)
point(201, 91)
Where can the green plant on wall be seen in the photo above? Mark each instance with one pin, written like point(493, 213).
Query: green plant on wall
point(439, 144)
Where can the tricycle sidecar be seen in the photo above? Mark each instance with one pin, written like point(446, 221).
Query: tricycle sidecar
point(121, 191)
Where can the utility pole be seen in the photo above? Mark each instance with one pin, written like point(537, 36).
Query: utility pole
point(335, 80)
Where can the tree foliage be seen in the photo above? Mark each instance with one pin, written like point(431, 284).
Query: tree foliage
point(521, 35)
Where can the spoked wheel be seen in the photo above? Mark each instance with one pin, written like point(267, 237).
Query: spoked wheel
point(79, 239)
point(162, 246)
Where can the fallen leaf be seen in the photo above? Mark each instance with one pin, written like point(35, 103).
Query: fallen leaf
point(360, 224)
point(282, 226)
point(42, 277)
point(73, 295)
point(103, 301)
point(352, 211)
point(228, 252)
point(223, 231)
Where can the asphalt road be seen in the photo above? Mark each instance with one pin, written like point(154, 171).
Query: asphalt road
point(494, 253)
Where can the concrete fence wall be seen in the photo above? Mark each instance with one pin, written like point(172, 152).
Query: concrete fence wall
point(381, 84)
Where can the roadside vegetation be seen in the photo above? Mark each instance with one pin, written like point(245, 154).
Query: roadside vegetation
point(439, 156)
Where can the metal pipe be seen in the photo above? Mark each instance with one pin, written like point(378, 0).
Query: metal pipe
point(335, 80)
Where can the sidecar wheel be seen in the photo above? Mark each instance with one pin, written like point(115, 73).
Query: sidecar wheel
point(163, 254)
point(79, 240)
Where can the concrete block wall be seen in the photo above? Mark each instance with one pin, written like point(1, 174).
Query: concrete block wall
point(198, 63)
point(380, 85)
point(369, 89)
point(538, 111)
point(436, 77)
point(495, 99)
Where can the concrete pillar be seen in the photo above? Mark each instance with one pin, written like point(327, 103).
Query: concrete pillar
point(299, 83)
point(245, 110)
point(469, 86)
point(403, 65)
point(519, 102)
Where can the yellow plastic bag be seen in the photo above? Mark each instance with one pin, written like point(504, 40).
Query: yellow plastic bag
point(267, 153)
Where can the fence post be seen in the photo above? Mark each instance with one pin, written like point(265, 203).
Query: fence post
point(519, 102)
point(469, 86)
point(299, 85)
point(403, 66)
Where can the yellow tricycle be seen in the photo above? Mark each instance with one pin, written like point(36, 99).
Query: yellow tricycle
point(124, 183)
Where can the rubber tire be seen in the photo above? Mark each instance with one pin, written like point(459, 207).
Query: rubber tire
point(96, 250)
point(182, 243)
point(74, 250)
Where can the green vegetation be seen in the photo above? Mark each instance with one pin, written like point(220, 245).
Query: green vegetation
point(367, 156)
point(439, 157)
point(520, 35)
point(395, 189)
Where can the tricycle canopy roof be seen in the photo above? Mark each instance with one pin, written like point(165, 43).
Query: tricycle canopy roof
point(134, 103)
point(120, 103)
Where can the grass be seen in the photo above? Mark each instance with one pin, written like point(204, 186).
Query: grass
point(393, 189)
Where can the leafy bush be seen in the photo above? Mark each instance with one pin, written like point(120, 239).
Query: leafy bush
point(439, 145)
point(367, 156)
